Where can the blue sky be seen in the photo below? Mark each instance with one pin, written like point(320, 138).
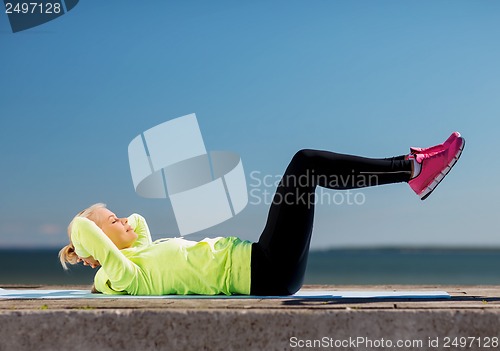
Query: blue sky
point(265, 78)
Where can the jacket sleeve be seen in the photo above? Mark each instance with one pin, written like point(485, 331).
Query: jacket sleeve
point(138, 223)
point(90, 240)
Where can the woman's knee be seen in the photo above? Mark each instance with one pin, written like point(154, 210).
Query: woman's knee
point(304, 153)
point(303, 157)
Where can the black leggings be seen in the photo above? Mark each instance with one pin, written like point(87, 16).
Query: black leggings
point(279, 258)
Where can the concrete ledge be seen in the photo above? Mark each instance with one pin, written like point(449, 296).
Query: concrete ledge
point(137, 324)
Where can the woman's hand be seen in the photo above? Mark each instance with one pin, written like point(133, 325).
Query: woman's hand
point(89, 261)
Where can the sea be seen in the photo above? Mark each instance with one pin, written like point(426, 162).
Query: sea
point(359, 266)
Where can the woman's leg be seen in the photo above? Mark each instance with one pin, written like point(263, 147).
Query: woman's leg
point(279, 258)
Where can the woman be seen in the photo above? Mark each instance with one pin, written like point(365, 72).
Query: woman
point(275, 265)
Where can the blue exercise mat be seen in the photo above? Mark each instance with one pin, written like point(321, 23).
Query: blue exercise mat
point(301, 294)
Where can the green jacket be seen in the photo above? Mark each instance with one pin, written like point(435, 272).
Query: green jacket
point(166, 266)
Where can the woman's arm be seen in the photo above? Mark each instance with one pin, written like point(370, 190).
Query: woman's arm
point(90, 240)
point(138, 223)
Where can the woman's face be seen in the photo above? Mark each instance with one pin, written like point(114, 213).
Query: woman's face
point(117, 229)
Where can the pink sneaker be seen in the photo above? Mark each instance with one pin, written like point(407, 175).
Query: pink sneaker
point(436, 148)
point(435, 166)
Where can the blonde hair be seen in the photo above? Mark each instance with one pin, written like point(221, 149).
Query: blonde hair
point(67, 254)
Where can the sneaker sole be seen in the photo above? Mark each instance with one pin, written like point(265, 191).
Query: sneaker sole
point(439, 178)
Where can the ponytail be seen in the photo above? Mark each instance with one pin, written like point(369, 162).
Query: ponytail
point(68, 255)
